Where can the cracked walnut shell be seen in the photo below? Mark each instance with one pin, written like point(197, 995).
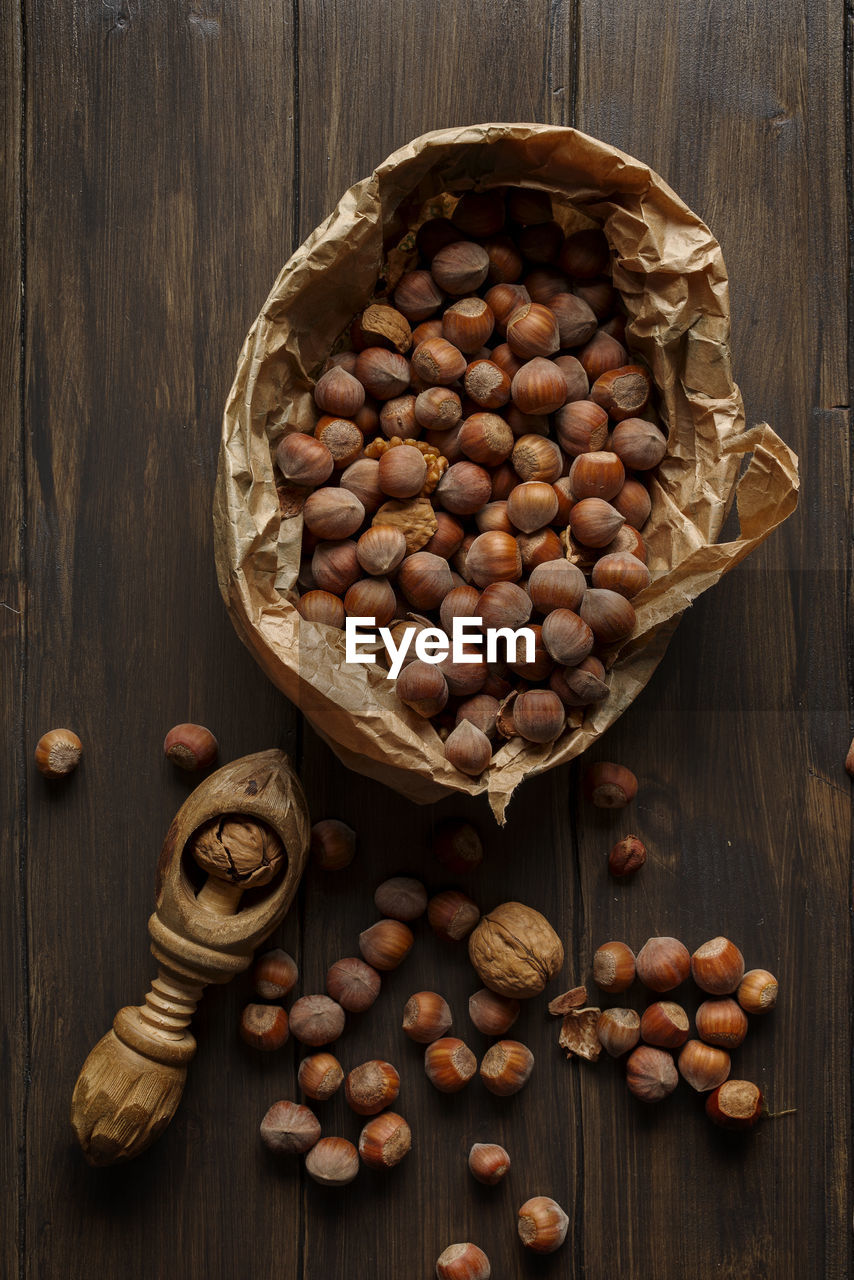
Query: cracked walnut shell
point(515, 950)
point(237, 849)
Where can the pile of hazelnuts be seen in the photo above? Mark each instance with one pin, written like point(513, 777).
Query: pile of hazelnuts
point(483, 451)
point(652, 1038)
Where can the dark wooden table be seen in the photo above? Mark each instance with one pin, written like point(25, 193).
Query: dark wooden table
point(162, 160)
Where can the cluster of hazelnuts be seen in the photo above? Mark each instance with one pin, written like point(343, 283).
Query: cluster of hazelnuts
point(483, 452)
point(651, 1038)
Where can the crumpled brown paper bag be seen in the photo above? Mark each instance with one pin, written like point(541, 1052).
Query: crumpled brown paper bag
point(671, 274)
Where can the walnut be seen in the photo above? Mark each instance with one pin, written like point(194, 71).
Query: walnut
point(515, 950)
point(578, 1035)
point(415, 517)
point(237, 849)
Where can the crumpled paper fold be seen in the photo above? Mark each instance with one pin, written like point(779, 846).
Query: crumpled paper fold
point(671, 274)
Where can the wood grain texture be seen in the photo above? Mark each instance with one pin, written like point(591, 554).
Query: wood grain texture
point(174, 155)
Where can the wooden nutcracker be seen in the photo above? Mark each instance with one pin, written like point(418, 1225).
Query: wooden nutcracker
point(247, 826)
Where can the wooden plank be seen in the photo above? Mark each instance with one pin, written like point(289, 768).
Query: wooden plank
point(740, 737)
point(158, 180)
point(13, 997)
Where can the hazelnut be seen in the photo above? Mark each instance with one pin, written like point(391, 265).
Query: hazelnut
point(386, 944)
point(515, 950)
point(417, 296)
point(504, 481)
point(506, 1067)
point(337, 393)
point(576, 321)
point(628, 539)
point(481, 711)
point(537, 458)
point(397, 418)
point(622, 393)
point(322, 607)
point(467, 324)
point(541, 547)
point(316, 1020)
point(596, 475)
point(538, 387)
point(621, 572)
point(264, 1026)
point(665, 1025)
point(458, 846)
point(663, 964)
point(434, 234)
point(425, 579)
point(503, 604)
point(503, 299)
point(717, 967)
point(600, 296)
point(464, 488)
point(320, 1076)
point(342, 359)
point(566, 636)
point(384, 374)
point(335, 567)
point(541, 241)
point(460, 268)
point(479, 213)
point(304, 460)
point(333, 1162)
point(493, 1015)
point(538, 715)
point(426, 1017)
point(528, 205)
point(735, 1104)
point(722, 1023)
point(609, 786)
point(465, 679)
point(595, 522)
point(449, 1064)
point(422, 687)
point(371, 1087)
point(438, 409)
point(505, 260)
point(384, 1141)
point(486, 439)
point(190, 746)
point(506, 359)
point(354, 984)
point(757, 991)
point(452, 915)
point(488, 1163)
point(361, 479)
point(585, 254)
point(614, 967)
point(463, 1262)
point(448, 538)
point(274, 975)
point(342, 438)
point(602, 353)
point(333, 844)
point(609, 615)
point(542, 1224)
point(703, 1066)
point(618, 1031)
point(371, 598)
point(556, 585)
point(651, 1073)
point(332, 514)
point(487, 384)
point(532, 505)
point(402, 472)
point(381, 548)
point(532, 330)
point(577, 384)
point(468, 749)
point(639, 444)
point(545, 283)
point(401, 898)
point(627, 856)
point(289, 1129)
point(461, 602)
point(493, 557)
point(633, 502)
point(580, 686)
point(582, 427)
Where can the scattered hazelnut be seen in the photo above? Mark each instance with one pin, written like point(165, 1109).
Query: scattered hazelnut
point(353, 984)
point(665, 1025)
point(274, 975)
point(189, 746)
point(458, 846)
point(703, 1065)
point(463, 1262)
point(618, 1030)
point(316, 1020)
point(757, 991)
point(718, 966)
point(627, 856)
point(506, 1067)
point(320, 1076)
point(371, 1087)
point(333, 1162)
point(386, 944)
point(493, 1015)
point(542, 1224)
point(401, 898)
point(264, 1026)
point(663, 963)
point(58, 752)
point(735, 1104)
point(426, 1017)
point(609, 786)
point(614, 967)
point(721, 1022)
point(333, 844)
point(488, 1163)
point(290, 1129)
point(651, 1074)
point(452, 915)
point(467, 748)
point(384, 1141)
point(449, 1064)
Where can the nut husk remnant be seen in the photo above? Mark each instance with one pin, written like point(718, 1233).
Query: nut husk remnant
point(578, 1035)
point(515, 950)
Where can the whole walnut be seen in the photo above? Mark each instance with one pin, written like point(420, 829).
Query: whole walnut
point(515, 950)
point(237, 849)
